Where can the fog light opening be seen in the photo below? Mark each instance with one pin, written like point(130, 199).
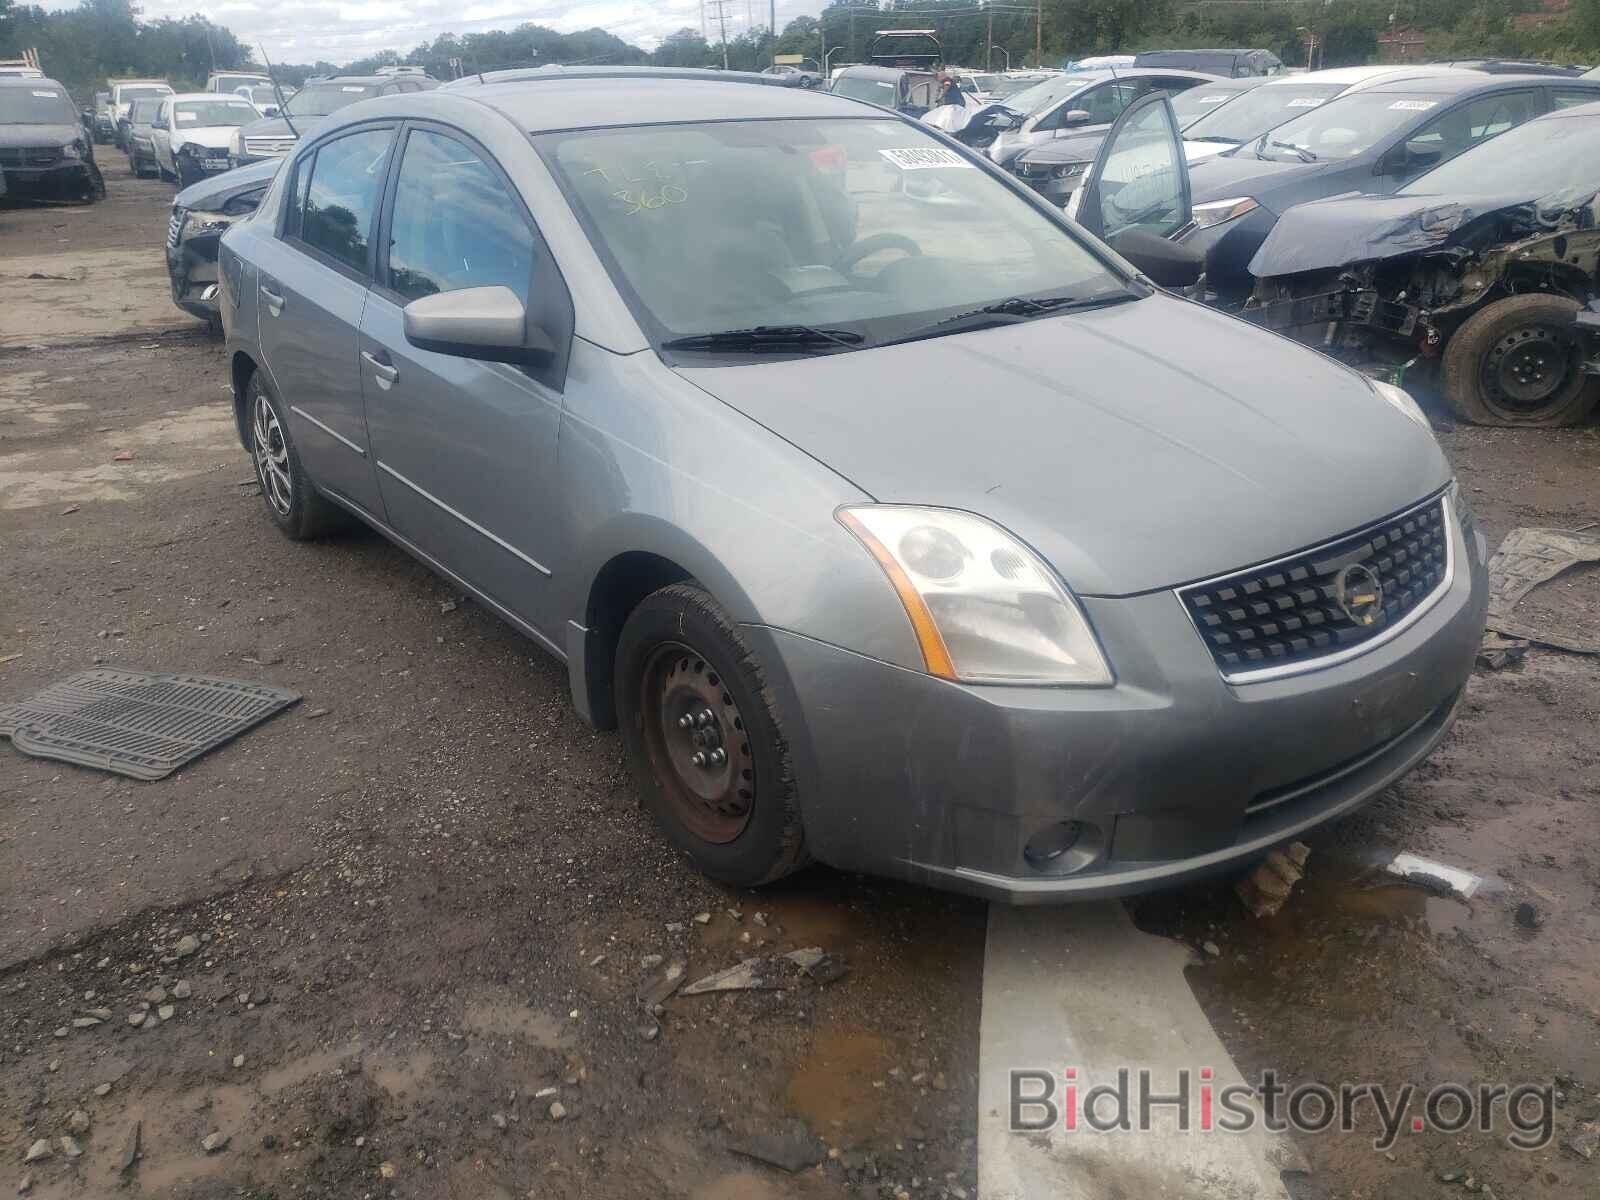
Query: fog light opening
point(210, 292)
point(1047, 847)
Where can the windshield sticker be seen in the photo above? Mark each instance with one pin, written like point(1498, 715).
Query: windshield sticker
point(1305, 102)
point(357, 90)
point(1211, 100)
point(186, 116)
point(919, 159)
point(1413, 105)
point(48, 95)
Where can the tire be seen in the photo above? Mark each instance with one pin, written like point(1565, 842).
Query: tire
point(680, 654)
point(292, 501)
point(1519, 362)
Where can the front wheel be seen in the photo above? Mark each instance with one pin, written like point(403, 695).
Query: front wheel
point(1519, 362)
point(704, 739)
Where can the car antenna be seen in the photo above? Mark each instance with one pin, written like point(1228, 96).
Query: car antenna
point(283, 105)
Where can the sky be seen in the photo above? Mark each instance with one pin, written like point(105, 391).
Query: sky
point(303, 31)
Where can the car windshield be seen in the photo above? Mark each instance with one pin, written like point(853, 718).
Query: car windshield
point(36, 106)
point(1259, 110)
point(143, 111)
point(1192, 104)
point(858, 87)
point(1343, 128)
point(127, 94)
point(320, 99)
point(986, 83)
point(1541, 158)
point(263, 96)
point(1010, 85)
point(867, 225)
point(214, 112)
point(227, 83)
point(1053, 88)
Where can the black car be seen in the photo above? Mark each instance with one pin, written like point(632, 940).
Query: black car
point(272, 137)
point(46, 152)
point(1474, 272)
point(201, 214)
point(1228, 63)
point(1372, 140)
point(909, 90)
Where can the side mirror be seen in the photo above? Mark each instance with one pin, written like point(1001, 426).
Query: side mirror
point(1418, 154)
point(487, 323)
point(1166, 263)
point(1077, 116)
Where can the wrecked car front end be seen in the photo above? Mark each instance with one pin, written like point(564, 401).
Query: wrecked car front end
point(1386, 283)
point(201, 214)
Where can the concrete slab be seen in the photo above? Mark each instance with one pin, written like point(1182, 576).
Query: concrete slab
point(1081, 988)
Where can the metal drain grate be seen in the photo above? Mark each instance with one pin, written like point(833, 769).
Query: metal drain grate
point(137, 723)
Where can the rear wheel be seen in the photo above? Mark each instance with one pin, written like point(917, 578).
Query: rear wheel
point(704, 739)
point(294, 505)
point(1519, 361)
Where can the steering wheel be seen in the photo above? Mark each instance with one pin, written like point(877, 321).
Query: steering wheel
point(871, 245)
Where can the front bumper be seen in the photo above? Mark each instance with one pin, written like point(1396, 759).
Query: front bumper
point(1057, 191)
point(68, 179)
point(1173, 773)
point(1228, 249)
point(192, 264)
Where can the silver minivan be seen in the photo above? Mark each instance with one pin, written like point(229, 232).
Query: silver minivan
point(896, 522)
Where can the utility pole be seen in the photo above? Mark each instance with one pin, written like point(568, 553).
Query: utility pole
point(989, 41)
point(1038, 34)
point(772, 28)
point(722, 18)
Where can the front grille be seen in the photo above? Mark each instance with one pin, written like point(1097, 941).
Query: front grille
point(29, 156)
point(1291, 611)
point(1030, 170)
point(175, 225)
point(266, 147)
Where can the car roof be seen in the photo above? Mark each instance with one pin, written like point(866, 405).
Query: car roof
point(141, 83)
point(1463, 81)
point(622, 98)
point(1350, 75)
point(21, 81)
point(209, 97)
point(554, 71)
point(878, 71)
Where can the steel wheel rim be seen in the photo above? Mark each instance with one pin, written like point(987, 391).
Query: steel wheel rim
point(698, 744)
point(272, 457)
point(1527, 368)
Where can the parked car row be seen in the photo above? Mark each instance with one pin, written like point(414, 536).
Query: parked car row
point(674, 373)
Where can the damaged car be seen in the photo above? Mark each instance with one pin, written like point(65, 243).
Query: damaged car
point(1474, 272)
point(192, 133)
point(46, 152)
point(201, 214)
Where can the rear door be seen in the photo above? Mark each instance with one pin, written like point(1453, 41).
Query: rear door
point(465, 449)
point(313, 281)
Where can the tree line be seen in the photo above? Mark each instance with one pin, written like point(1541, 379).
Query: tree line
point(100, 39)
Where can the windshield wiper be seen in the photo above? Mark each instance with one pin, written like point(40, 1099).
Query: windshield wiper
point(1300, 151)
point(767, 339)
point(1010, 312)
point(1216, 137)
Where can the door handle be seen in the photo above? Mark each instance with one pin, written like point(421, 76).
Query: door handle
point(273, 299)
point(385, 371)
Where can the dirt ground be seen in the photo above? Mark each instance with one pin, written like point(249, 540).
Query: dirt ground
point(425, 896)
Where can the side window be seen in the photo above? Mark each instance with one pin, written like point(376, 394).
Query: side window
point(161, 114)
point(455, 224)
point(1571, 97)
point(1477, 120)
point(920, 94)
point(343, 184)
point(297, 197)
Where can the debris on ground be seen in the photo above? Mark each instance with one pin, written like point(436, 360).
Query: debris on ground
point(1529, 916)
point(660, 984)
point(37, 1152)
point(214, 1141)
point(1499, 652)
point(1444, 879)
point(1585, 1143)
point(1527, 558)
point(1266, 889)
point(122, 456)
point(792, 1149)
point(770, 972)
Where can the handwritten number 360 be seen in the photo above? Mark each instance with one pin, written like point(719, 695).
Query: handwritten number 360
point(669, 193)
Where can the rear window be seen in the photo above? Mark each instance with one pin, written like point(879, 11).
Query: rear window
point(124, 95)
point(318, 100)
point(215, 112)
point(1254, 113)
point(36, 106)
point(876, 91)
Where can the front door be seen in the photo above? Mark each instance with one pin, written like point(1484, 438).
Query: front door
point(1140, 178)
point(313, 285)
point(465, 449)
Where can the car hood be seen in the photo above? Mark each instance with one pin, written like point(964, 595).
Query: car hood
point(214, 137)
point(1352, 229)
point(1135, 447)
point(1081, 145)
point(39, 135)
point(212, 192)
point(277, 127)
point(1228, 175)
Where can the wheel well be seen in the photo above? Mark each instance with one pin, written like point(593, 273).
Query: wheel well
point(617, 590)
point(243, 367)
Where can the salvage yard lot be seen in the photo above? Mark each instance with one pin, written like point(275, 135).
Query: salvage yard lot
point(426, 895)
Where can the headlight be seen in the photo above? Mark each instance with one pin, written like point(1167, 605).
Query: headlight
point(1218, 212)
point(1401, 401)
point(1069, 170)
point(187, 148)
point(72, 150)
point(985, 609)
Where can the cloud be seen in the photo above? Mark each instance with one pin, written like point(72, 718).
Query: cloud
point(339, 31)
